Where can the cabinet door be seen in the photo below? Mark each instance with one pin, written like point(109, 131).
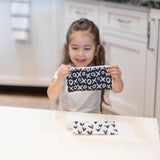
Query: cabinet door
point(130, 57)
point(77, 10)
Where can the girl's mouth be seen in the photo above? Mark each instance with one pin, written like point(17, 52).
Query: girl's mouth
point(80, 60)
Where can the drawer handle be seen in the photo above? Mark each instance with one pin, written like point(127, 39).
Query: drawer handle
point(123, 21)
point(151, 34)
point(81, 13)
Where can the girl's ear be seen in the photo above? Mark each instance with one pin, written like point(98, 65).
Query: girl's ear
point(97, 49)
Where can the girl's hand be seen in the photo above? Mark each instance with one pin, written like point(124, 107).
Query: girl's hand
point(117, 83)
point(54, 89)
point(63, 72)
point(115, 72)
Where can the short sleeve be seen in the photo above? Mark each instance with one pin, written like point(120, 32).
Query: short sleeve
point(55, 74)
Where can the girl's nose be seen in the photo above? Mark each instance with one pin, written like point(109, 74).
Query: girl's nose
point(80, 52)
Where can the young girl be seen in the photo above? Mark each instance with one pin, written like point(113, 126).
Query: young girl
point(82, 49)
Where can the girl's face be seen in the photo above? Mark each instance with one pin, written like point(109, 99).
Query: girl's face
point(82, 48)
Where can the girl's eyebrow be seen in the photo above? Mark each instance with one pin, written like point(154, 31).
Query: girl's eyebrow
point(74, 45)
point(87, 45)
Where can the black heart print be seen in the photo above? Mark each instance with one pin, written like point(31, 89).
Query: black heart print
point(75, 126)
point(81, 124)
point(89, 132)
point(98, 129)
point(91, 126)
point(95, 127)
point(107, 126)
point(100, 125)
point(105, 131)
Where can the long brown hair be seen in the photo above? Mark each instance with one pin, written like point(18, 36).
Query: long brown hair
point(84, 24)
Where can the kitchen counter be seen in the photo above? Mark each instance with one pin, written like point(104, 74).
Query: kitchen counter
point(145, 3)
point(114, 5)
point(31, 134)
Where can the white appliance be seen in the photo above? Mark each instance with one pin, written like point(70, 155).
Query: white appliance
point(154, 61)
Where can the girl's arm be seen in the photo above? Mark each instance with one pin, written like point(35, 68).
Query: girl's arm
point(117, 82)
point(54, 89)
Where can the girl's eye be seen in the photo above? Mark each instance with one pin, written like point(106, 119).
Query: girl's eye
point(74, 48)
point(87, 49)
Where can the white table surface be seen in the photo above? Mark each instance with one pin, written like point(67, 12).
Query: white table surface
point(34, 134)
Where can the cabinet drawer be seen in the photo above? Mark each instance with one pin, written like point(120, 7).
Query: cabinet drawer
point(76, 10)
point(123, 20)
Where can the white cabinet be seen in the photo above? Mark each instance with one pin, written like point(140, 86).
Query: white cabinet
point(124, 35)
point(30, 63)
point(153, 67)
point(76, 10)
point(130, 57)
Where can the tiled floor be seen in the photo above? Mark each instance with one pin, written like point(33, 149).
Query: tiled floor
point(28, 97)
